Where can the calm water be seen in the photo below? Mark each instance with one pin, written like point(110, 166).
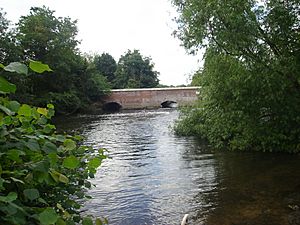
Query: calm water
point(154, 177)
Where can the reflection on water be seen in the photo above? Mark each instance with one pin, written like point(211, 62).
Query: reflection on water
point(154, 177)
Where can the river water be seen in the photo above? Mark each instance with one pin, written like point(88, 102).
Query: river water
point(155, 177)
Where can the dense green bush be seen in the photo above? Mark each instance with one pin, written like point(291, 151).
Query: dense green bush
point(242, 109)
point(43, 175)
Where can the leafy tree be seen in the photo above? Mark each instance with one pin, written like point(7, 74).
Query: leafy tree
point(43, 37)
point(135, 71)
point(41, 34)
point(106, 65)
point(251, 78)
point(52, 40)
point(8, 47)
point(3, 34)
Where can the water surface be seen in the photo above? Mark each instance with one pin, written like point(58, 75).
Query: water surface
point(155, 177)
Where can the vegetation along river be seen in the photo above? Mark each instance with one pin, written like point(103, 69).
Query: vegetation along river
point(155, 177)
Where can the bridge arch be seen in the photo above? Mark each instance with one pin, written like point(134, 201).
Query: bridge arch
point(111, 106)
point(169, 104)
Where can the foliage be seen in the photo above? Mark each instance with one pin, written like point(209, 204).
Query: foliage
point(75, 80)
point(135, 71)
point(196, 78)
point(106, 65)
point(44, 37)
point(98, 86)
point(8, 48)
point(251, 78)
point(43, 175)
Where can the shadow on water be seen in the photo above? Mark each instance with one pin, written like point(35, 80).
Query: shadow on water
point(154, 177)
point(256, 188)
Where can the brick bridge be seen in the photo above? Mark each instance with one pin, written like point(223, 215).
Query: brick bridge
point(151, 97)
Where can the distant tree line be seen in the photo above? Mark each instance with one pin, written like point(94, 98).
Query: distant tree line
point(76, 80)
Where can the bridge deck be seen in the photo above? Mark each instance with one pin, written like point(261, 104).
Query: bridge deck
point(156, 89)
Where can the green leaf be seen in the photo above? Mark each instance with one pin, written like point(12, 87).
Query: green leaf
point(42, 111)
point(53, 158)
point(49, 147)
point(98, 222)
point(6, 87)
point(17, 67)
point(41, 166)
point(60, 221)
point(17, 180)
point(62, 178)
point(12, 196)
point(58, 177)
point(2, 66)
point(55, 175)
point(31, 194)
point(71, 162)
point(48, 216)
point(49, 128)
point(60, 138)
point(39, 67)
point(6, 110)
point(94, 163)
point(25, 110)
point(33, 145)
point(15, 154)
point(87, 221)
point(50, 106)
point(13, 106)
point(41, 200)
point(70, 144)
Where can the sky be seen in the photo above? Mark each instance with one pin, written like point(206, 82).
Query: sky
point(114, 26)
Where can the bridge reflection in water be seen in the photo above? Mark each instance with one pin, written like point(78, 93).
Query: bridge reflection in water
point(146, 98)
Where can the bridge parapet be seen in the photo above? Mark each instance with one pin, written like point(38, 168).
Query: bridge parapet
point(152, 97)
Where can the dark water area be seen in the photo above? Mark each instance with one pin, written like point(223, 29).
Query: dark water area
point(155, 177)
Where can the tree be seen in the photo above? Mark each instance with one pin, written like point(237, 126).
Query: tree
point(106, 65)
point(42, 36)
point(8, 48)
point(135, 71)
point(251, 78)
point(3, 35)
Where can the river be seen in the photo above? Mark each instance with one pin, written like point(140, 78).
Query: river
point(155, 177)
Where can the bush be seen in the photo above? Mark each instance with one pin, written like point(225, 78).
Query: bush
point(243, 108)
point(43, 175)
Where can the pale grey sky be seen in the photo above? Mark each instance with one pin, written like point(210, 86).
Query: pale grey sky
point(113, 26)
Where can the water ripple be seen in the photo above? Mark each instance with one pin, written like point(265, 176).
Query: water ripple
point(152, 177)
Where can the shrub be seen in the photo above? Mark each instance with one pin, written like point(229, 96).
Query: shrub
point(43, 175)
